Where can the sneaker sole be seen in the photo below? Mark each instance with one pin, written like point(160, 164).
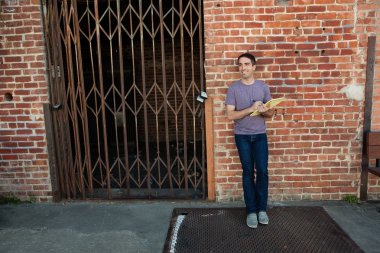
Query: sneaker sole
point(264, 223)
point(252, 226)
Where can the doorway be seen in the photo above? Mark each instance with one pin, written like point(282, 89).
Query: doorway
point(124, 81)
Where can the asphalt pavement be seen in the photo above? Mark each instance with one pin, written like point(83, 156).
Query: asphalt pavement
point(140, 226)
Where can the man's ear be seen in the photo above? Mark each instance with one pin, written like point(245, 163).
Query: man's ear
point(254, 67)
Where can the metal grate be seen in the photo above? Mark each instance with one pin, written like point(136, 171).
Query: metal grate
point(124, 80)
point(291, 229)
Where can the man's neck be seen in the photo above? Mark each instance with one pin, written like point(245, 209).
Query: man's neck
point(248, 81)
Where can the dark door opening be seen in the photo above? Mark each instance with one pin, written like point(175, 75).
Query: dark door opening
point(131, 72)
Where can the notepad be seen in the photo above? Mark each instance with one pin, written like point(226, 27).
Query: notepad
point(270, 104)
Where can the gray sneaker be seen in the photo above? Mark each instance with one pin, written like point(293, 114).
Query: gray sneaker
point(263, 218)
point(252, 220)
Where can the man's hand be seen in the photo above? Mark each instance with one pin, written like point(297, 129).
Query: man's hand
point(268, 112)
point(260, 106)
point(234, 115)
point(264, 110)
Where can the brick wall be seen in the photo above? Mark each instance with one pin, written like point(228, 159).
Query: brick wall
point(23, 155)
point(308, 51)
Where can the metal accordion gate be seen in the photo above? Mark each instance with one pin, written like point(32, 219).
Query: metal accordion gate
point(124, 80)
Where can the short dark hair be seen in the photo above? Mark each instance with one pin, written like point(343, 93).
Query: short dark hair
point(249, 56)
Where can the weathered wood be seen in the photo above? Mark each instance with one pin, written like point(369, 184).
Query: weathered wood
point(210, 149)
point(367, 113)
point(51, 151)
point(373, 151)
point(373, 138)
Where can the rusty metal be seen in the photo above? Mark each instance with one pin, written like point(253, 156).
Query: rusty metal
point(126, 75)
point(57, 96)
point(290, 229)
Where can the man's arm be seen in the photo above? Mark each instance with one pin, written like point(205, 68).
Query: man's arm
point(267, 114)
point(232, 114)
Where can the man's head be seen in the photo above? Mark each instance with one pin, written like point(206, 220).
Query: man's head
point(247, 65)
point(249, 56)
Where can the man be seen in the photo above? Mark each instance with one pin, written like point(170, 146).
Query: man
point(244, 97)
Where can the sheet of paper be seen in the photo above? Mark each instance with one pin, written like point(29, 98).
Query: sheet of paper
point(270, 104)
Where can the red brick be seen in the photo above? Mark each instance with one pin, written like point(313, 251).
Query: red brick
point(316, 8)
point(310, 54)
point(264, 17)
point(284, 16)
point(276, 39)
point(12, 59)
point(305, 46)
point(291, 9)
point(316, 38)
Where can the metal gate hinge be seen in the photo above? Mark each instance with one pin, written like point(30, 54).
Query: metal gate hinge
point(57, 106)
point(53, 71)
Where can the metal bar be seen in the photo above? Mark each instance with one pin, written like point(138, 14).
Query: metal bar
point(210, 142)
point(53, 80)
point(200, 29)
point(105, 141)
point(148, 168)
point(163, 62)
point(83, 105)
point(116, 163)
point(194, 109)
point(85, 126)
point(48, 115)
point(90, 177)
point(72, 86)
point(134, 97)
point(62, 125)
point(125, 138)
point(177, 158)
point(62, 169)
point(157, 154)
point(367, 114)
point(183, 98)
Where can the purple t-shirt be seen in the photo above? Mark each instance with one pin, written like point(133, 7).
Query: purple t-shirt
point(243, 96)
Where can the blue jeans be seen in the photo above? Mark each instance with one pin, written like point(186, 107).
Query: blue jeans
point(253, 150)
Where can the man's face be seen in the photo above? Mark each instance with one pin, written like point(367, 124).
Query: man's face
point(246, 68)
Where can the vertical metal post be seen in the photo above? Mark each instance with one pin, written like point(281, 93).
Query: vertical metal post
point(103, 107)
point(367, 114)
point(83, 109)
